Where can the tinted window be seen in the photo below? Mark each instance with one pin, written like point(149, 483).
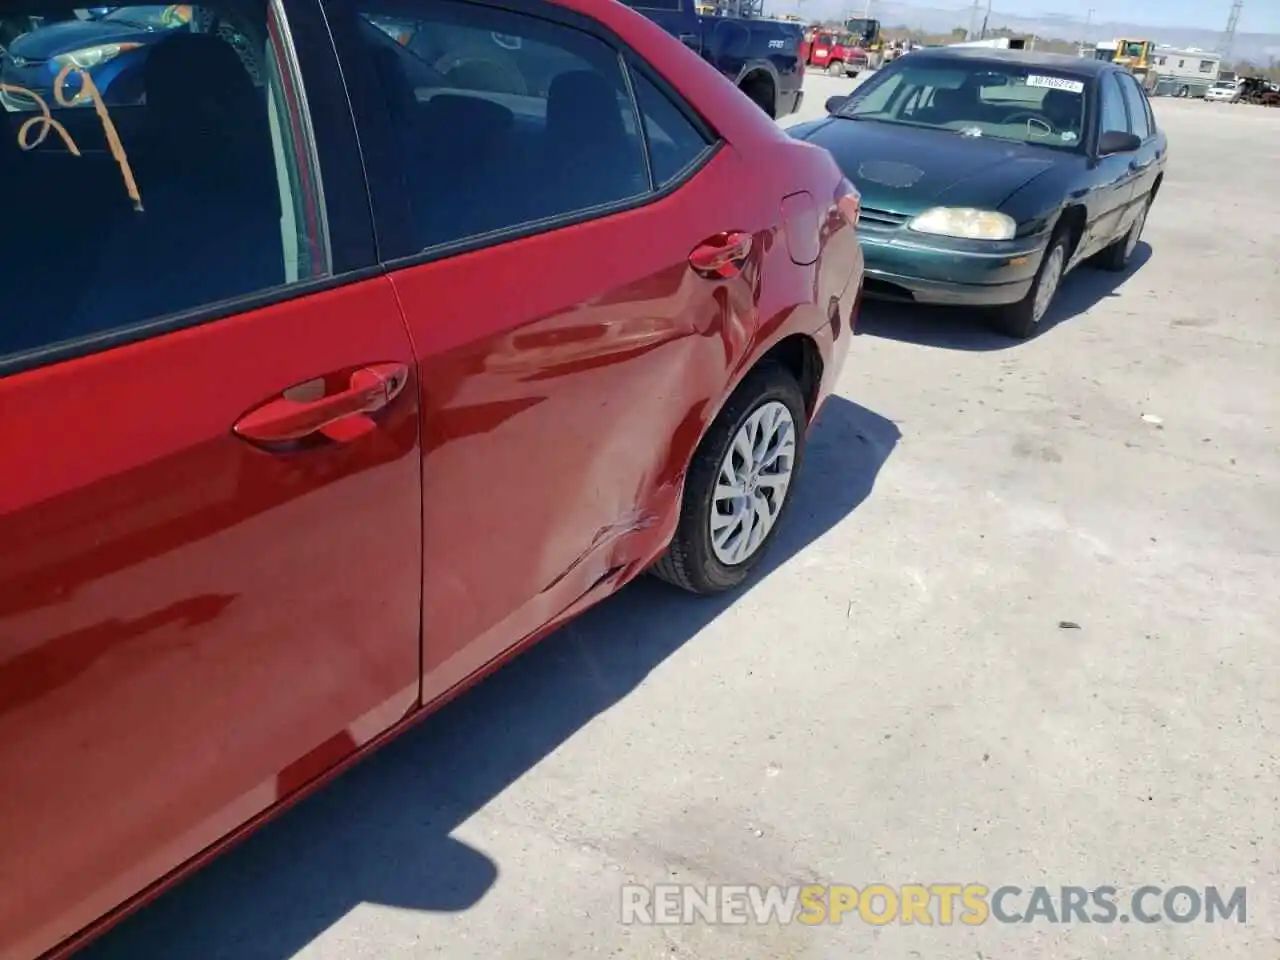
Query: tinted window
point(1137, 102)
point(1113, 115)
point(502, 119)
point(675, 143)
point(998, 100)
point(174, 181)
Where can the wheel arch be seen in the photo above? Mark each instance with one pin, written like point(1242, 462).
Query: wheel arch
point(798, 354)
point(1074, 219)
point(761, 86)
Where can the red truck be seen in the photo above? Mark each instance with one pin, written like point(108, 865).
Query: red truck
point(839, 56)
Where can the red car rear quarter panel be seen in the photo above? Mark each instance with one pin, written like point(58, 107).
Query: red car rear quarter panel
point(796, 299)
point(565, 379)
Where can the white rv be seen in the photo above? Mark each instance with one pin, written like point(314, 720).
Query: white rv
point(1183, 73)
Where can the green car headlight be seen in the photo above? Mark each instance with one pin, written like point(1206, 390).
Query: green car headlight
point(965, 223)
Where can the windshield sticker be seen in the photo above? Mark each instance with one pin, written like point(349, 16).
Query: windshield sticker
point(1056, 83)
point(43, 122)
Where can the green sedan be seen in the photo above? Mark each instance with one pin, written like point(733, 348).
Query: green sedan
point(986, 175)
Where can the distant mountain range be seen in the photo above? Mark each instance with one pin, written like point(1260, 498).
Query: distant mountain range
point(1257, 48)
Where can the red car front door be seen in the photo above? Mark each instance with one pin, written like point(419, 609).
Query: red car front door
point(210, 522)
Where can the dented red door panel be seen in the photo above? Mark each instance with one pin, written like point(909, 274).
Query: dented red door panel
point(560, 405)
point(193, 626)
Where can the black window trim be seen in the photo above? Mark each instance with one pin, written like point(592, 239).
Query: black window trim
point(335, 155)
point(637, 117)
point(390, 219)
point(686, 110)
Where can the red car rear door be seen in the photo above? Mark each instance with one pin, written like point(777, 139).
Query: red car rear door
point(569, 355)
point(210, 569)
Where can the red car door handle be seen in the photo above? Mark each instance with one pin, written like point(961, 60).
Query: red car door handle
point(722, 255)
point(280, 420)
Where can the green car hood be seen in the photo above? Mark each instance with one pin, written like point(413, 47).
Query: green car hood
point(907, 170)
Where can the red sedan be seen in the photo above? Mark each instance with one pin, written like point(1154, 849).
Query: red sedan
point(344, 355)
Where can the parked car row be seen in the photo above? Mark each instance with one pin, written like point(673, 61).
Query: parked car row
point(358, 349)
point(345, 353)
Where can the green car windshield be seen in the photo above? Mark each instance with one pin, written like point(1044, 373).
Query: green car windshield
point(980, 99)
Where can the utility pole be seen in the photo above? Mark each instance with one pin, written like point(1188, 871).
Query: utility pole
point(1084, 40)
point(985, 20)
point(1229, 35)
point(867, 12)
point(973, 21)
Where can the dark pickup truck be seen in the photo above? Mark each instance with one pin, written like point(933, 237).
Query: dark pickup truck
point(763, 57)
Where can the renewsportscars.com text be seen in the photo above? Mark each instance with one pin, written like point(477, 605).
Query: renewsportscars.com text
point(941, 904)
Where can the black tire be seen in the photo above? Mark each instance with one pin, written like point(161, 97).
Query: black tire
point(1019, 320)
point(1184, 91)
point(690, 561)
point(835, 69)
point(1116, 256)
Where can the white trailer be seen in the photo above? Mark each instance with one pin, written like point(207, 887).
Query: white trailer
point(1182, 73)
point(997, 43)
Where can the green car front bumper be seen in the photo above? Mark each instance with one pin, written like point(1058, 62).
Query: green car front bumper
point(915, 267)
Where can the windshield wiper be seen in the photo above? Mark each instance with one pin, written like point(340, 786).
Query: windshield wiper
point(862, 116)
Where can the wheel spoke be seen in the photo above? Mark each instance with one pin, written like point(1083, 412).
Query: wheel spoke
point(723, 527)
point(742, 447)
point(761, 522)
point(736, 545)
point(778, 482)
point(785, 446)
point(726, 491)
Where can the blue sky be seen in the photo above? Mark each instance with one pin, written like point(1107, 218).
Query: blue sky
point(1258, 16)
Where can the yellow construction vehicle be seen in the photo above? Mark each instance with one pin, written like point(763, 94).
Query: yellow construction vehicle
point(1135, 55)
point(866, 33)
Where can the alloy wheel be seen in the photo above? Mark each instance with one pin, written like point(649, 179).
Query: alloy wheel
point(752, 485)
point(1049, 280)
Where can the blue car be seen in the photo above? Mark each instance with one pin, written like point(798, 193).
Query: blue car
point(109, 47)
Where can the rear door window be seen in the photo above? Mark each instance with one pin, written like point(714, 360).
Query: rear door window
point(501, 119)
point(500, 123)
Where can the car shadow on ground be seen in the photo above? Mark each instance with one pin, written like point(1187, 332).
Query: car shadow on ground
point(967, 328)
point(380, 834)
